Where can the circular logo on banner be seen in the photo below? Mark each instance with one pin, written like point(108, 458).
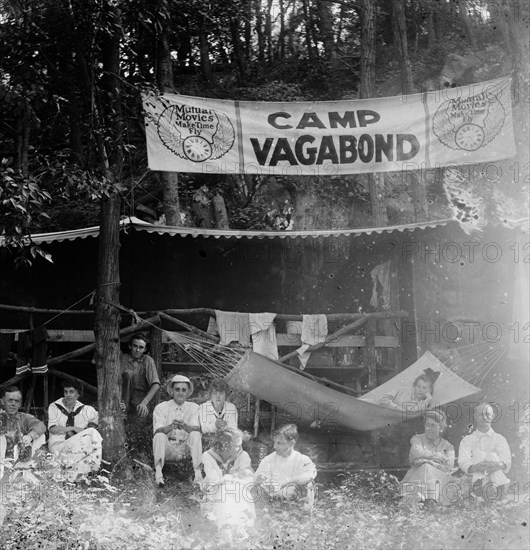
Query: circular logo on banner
point(195, 133)
point(469, 123)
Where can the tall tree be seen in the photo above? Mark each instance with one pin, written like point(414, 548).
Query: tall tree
point(399, 28)
point(466, 22)
point(166, 83)
point(376, 181)
point(325, 23)
point(107, 316)
point(368, 23)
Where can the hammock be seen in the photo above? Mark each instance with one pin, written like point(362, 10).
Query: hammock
point(309, 401)
point(448, 387)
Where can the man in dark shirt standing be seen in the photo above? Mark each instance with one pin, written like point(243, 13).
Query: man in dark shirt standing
point(140, 380)
point(140, 383)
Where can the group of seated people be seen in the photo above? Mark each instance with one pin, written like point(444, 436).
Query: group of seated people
point(484, 455)
point(72, 427)
point(209, 433)
point(181, 427)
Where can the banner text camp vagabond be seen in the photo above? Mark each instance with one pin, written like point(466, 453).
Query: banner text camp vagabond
point(469, 124)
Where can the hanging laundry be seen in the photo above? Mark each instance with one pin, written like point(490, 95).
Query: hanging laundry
point(212, 327)
point(233, 327)
point(32, 351)
point(381, 277)
point(263, 334)
point(314, 331)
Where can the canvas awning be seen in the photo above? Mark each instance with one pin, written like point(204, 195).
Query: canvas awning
point(133, 223)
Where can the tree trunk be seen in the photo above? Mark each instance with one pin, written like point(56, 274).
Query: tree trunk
point(342, 16)
point(375, 181)
point(419, 197)
point(219, 212)
point(248, 29)
point(368, 21)
point(107, 317)
point(399, 28)
point(74, 108)
point(260, 31)
point(106, 330)
point(206, 65)
point(238, 49)
point(307, 30)
point(431, 31)
point(166, 83)
point(464, 16)
point(376, 186)
point(325, 20)
point(268, 30)
point(170, 197)
point(23, 126)
point(164, 66)
point(281, 37)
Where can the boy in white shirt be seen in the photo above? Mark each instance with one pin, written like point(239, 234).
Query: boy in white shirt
point(285, 472)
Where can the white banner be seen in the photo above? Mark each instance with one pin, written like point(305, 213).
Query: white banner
point(454, 126)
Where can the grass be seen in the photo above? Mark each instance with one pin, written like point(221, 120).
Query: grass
point(355, 511)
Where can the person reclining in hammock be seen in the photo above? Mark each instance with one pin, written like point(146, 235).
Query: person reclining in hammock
point(417, 398)
point(74, 438)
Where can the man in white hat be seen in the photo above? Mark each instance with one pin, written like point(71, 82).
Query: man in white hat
point(176, 428)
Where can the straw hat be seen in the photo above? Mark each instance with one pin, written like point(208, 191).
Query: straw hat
point(181, 379)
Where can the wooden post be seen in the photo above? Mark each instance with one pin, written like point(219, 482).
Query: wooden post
point(155, 344)
point(29, 395)
point(273, 419)
point(376, 187)
point(370, 354)
point(53, 379)
point(395, 302)
point(419, 197)
point(45, 398)
point(256, 418)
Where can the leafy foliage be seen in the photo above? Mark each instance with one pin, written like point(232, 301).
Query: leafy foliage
point(60, 125)
point(360, 512)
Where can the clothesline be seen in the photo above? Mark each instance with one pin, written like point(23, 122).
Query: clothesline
point(186, 311)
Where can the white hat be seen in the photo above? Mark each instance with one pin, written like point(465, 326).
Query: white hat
point(181, 379)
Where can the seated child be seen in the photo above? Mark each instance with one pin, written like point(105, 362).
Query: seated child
point(285, 473)
point(227, 483)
